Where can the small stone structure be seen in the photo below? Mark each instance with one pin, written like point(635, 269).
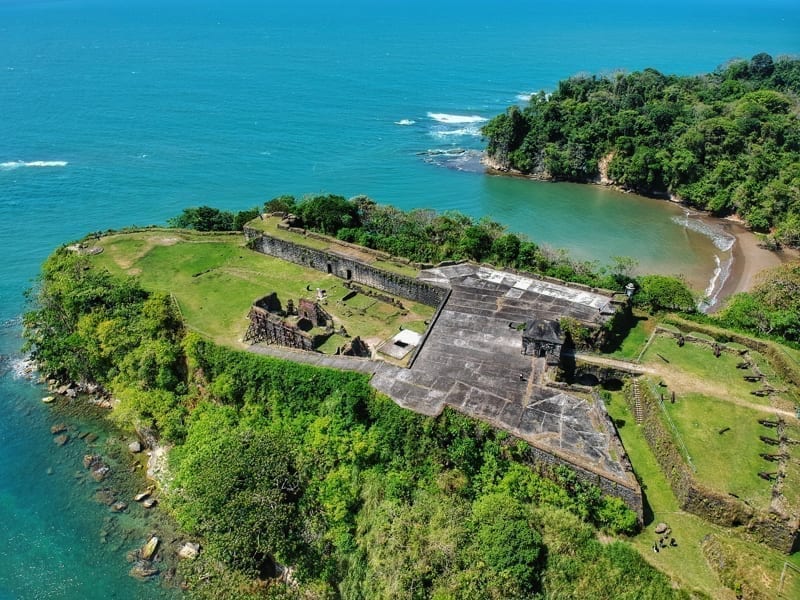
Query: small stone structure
point(542, 338)
point(271, 324)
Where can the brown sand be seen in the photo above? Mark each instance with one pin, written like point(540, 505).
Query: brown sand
point(749, 259)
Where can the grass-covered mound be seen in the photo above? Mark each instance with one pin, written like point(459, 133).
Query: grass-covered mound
point(214, 278)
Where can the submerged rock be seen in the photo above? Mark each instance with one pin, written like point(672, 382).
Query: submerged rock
point(59, 428)
point(142, 496)
point(49, 399)
point(149, 502)
point(142, 570)
point(98, 469)
point(119, 506)
point(60, 440)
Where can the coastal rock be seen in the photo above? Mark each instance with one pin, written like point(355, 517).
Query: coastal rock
point(104, 496)
point(99, 470)
point(60, 428)
point(135, 447)
point(119, 506)
point(60, 440)
point(49, 399)
point(142, 570)
point(142, 496)
point(189, 551)
point(71, 393)
point(90, 437)
point(149, 549)
point(149, 502)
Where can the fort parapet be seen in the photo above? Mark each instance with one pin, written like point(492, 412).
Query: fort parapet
point(346, 268)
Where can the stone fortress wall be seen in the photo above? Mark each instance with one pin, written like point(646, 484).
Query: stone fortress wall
point(433, 294)
point(346, 268)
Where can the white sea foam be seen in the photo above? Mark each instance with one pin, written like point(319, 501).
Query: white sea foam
point(721, 239)
point(456, 119)
point(405, 122)
point(721, 273)
point(16, 164)
point(525, 96)
point(461, 131)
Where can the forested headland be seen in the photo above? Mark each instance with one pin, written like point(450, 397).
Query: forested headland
point(727, 142)
point(277, 465)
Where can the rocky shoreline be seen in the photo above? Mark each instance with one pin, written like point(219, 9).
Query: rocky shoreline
point(113, 467)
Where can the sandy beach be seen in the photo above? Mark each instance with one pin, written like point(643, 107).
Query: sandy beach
point(749, 259)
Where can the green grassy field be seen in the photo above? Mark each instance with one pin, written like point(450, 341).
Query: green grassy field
point(686, 564)
point(215, 279)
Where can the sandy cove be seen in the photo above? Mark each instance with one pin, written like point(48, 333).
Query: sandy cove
point(749, 259)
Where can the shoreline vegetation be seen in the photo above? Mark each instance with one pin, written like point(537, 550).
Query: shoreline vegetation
point(725, 142)
point(326, 485)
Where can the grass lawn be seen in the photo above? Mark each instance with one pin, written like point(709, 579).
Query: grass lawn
point(727, 462)
point(636, 339)
point(215, 279)
point(686, 564)
point(694, 368)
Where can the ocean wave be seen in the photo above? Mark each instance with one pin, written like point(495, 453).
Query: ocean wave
point(16, 164)
point(721, 273)
point(458, 159)
point(524, 96)
point(721, 239)
point(456, 119)
point(461, 131)
point(405, 122)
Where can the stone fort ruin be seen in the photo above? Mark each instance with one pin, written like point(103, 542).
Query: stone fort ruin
point(491, 352)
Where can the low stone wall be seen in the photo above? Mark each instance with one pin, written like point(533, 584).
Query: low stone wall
point(346, 268)
point(765, 527)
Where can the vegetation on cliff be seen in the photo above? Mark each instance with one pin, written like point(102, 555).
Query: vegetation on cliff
point(727, 142)
point(279, 463)
point(426, 236)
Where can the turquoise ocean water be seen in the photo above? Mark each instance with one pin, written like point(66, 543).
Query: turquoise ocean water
point(115, 113)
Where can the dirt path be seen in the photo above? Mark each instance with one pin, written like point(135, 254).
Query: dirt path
point(681, 382)
point(685, 384)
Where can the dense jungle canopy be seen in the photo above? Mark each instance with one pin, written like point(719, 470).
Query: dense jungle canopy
point(727, 141)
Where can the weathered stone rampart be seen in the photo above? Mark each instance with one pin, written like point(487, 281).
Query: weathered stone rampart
point(765, 527)
point(346, 268)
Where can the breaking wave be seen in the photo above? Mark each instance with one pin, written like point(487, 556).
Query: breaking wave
point(459, 159)
point(405, 122)
point(722, 240)
point(442, 133)
point(17, 164)
point(456, 119)
point(524, 96)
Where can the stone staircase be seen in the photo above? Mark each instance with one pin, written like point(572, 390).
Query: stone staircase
point(638, 413)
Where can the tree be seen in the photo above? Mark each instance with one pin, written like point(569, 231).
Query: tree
point(328, 213)
point(659, 292)
point(280, 204)
point(203, 218)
